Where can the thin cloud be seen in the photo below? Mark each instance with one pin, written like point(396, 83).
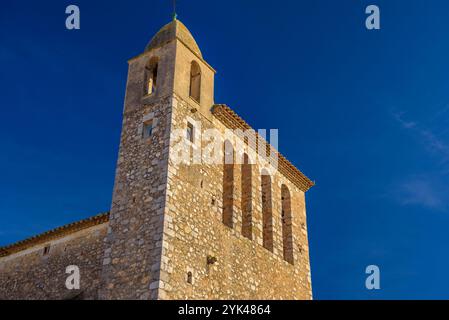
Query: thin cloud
point(442, 112)
point(426, 190)
point(436, 145)
point(405, 124)
point(427, 136)
point(423, 191)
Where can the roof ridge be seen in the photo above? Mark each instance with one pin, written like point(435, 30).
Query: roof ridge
point(232, 120)
point(55, 233)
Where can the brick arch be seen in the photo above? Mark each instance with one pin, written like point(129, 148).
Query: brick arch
point(247, 206)
point(228, 184)
point(287, 236)
point(267, 211)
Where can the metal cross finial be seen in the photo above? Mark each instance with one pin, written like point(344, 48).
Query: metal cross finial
point(175, 16)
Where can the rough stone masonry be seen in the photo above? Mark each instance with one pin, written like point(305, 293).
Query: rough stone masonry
point(176, 230)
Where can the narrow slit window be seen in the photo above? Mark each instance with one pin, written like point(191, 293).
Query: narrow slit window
point(189, 277)
point(190, 132)
point(148, 128)
point(46, 250)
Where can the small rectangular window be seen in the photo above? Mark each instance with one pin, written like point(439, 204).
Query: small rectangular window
point(46, 250)
point(190, 132)
point(189, 277)
point(148, 129)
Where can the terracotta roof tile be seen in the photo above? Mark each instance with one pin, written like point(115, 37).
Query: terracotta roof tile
point(233, 121)
point(54, 234)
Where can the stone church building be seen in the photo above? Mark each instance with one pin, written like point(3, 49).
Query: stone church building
point(177, 230)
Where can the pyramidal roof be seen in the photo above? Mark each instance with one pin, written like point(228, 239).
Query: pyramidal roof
point(174, 30)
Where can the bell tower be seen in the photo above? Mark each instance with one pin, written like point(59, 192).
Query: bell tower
point(171, 63)
point(170, 66)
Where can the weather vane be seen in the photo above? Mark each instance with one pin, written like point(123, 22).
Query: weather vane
point(174, 10)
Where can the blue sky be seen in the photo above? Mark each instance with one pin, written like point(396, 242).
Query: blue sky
point(363, 113)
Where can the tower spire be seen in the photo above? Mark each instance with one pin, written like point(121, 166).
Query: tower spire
point(175, 16)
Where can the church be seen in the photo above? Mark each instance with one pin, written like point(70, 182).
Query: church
point(229, 229)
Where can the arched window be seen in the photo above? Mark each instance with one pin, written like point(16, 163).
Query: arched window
point(151, 76)
point(287, 235)
point(228, 184)
point(247, 218)
point(267, 211)
point(195, 81)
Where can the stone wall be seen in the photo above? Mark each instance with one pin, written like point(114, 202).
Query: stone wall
point(133, 245)
point(195, 235)
point(30, 274)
